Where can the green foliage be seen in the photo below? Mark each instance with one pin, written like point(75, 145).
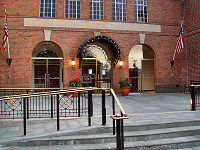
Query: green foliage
point(124, 82)
point(75, 82)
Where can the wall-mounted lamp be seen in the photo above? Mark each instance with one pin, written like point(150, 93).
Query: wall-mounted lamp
point(73, 62)
point(121, 63)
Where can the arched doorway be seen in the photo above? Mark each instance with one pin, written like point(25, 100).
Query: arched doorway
point(96, 65)
point(47, 66)
point(97, 56)
point(141, 69)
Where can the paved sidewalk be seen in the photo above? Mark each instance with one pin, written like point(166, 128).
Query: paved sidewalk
point(143, 109)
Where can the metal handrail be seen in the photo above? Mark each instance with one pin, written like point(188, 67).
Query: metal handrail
point(118, 116)
point(194, 85)
point(63, 91)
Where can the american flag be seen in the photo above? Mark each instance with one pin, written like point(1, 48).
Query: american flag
point(5, 33)
point(180, 42)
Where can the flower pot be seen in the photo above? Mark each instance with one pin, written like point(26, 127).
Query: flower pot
point(125, 90)
point(74, 94)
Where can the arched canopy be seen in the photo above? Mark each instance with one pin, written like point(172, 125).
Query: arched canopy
point(113, 45)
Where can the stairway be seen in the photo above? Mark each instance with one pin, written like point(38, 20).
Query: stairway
point(175, 135)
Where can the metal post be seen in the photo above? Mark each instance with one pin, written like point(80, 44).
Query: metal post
point(27, 108)
point(58, 123)
point(113, 113)
point(118, 137)
point(122, 132)
point(79, 104)
point(24, 101)
point(27, 105)
point(89, 107)
point(103, 108)
point(51, 106)
point(193, 106)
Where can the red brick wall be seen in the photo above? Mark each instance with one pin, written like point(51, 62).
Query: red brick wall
point(167, 13)
point(192, 41)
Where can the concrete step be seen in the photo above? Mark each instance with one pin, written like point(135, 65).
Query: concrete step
point(129, 128)
point(160, 144)
point(109, 138)
point(103, 138)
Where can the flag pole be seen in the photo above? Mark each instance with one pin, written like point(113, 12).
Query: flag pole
point(9, 60)
point(172, 62)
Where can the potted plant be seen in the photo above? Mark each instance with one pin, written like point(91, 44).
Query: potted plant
point(125, 85)
point(76, 82)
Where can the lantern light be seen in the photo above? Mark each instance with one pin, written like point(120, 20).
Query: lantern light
point(73, 62)
point(121, 63)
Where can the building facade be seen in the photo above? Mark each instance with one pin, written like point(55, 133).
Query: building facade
point(104, 39)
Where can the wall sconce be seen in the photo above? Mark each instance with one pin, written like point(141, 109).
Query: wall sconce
point(73, 62)
point(121, 63)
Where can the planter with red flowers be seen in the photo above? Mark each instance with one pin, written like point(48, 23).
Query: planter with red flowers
point(76, 82)
point(125, 85)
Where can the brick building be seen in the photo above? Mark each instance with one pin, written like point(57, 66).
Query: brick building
point(46, 36)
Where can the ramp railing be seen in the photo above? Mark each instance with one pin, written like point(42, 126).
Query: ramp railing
point(63, 102)
point(195, 96)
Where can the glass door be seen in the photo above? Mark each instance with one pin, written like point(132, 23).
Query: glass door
point(142, 75)
point(148, 75)
point(98, 70)
point(46, 73)
point(141, 69)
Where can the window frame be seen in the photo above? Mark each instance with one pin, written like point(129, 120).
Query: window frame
point(70, 13)
point(44, 8)
point(98, 9)
point(122, 3)
point(136, 11)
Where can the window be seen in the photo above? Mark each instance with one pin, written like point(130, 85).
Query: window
point(140, 11)
point(72, 8)
point(47, 8)
point(96, 9)
point(119, 10)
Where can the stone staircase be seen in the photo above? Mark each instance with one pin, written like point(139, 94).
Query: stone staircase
point(165, 136)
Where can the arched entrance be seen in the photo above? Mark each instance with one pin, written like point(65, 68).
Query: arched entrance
point(47, 66)
point(96, 64)
point(141, 69)
point(97, 56)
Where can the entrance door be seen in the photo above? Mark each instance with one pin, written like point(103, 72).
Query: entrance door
point(47, 65)
point(148, 75)
point(47, 73)
point(96, 66)
point(141, 69)
point(98, 71)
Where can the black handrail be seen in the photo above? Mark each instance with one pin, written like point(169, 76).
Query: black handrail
point(116, 117)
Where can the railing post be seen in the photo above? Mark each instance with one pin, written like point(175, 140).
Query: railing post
point(193, 105)
point(27, 105)
point(89, 107)
point(27, 108)
point(79, 104)
point(51, 106)
point(103, 108)
point(118, 134)
point(24, 102)
point(58, 121)
point(113, 113)
point(122, 132)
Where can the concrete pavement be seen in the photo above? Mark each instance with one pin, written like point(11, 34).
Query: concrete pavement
point(143, 109)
